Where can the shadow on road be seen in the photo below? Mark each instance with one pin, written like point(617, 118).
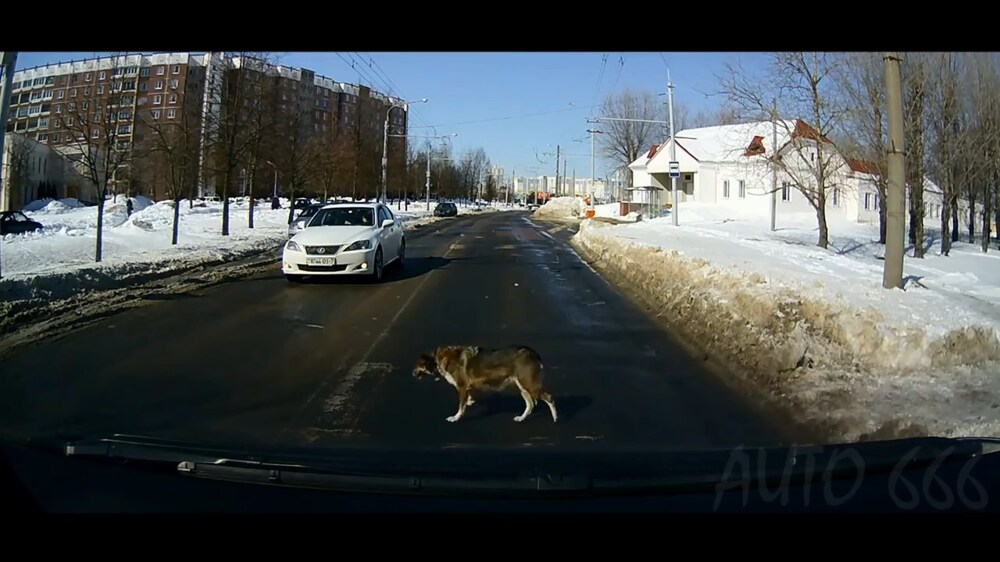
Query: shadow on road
point(490, 404)
point(412, 267)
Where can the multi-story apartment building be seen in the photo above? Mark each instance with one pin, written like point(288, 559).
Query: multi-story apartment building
point(153, 111)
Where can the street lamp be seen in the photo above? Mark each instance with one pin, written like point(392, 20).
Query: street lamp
point(385, 138)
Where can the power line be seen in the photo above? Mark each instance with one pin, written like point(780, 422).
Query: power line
point(513, 116)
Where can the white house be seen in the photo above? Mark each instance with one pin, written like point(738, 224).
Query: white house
point(731, 166)
point(31, 170)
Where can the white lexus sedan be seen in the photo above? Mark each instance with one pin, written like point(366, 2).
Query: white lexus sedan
point(346, 239)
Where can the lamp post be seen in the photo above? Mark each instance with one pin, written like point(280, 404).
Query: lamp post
point(385, 138)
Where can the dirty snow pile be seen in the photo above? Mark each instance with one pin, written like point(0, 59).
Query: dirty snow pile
point(58, 260)
point(815, 326)
point(561, 208)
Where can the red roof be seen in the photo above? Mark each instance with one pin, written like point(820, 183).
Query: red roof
point(862, 166)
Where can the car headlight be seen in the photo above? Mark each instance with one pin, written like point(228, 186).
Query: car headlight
point(293, 246)
point(359, 245)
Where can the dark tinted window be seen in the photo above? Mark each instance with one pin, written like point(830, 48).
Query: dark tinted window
point(344, 216)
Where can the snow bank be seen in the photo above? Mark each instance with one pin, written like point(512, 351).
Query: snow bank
point(42, 268)
point(814, 326)
point(561, 208)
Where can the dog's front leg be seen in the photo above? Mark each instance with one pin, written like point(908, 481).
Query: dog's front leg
point(463, 401)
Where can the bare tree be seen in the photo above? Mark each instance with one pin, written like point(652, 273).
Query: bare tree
point(914, 112)
point(233, 133)
point(623, 141)
point(863, 81)
point(945, 105)
point(288, 145)
point(175, 134)
point(802, 85)
point(97, 122)
point(262, 122)
point(327, 153)
point(985, 90)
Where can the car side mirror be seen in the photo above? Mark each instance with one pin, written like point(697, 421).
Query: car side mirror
point(387, 223)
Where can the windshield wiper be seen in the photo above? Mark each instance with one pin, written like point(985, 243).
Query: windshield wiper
point(587, 472)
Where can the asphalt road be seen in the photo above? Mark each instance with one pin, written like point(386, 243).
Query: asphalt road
point(262, 362)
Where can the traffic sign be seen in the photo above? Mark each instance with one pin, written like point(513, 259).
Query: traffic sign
point(675, 169)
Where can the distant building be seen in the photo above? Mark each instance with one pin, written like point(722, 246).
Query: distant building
point(136, 97)
point(31, 170)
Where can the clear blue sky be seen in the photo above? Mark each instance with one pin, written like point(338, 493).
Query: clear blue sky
point(508, 103)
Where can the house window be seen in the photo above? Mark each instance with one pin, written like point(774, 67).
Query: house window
point(102, 75)
point(171, 113)
point(177, 69)
point(743, 189)
point(725, 189)
point(159, 85)
point(156, 114)
point(786, 194)
point(61, 94)
point(88, 77)
point(173, 84)
point(836, 196)
point(144, 72)
point(157, 99)
point(159, 71)
point(173, 98)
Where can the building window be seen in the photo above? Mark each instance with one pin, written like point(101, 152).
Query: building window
point(125, 115)
point(86, 91)
point(786, 194)
point(58, 108)
point(35, 96)
point(173, 98)
point(88, 77)
point(159, 85)
point(61, 94)
point(43, 123)
point(124, 129)
point(35, 110)
point(144, 72)
point(62, 80)
point(39, 82)
point(42, 137)
point(177, 69)
point(102, 75)
point(173, 84)
point(156, 114)
point(157, 99)
point(55, 137)
point(725, 189)
point(85, 105)
point(100, 89)
point(743, 189)
point(72, 93)
point(95, 133)
point(143, 86)
point(836, 196)
point(159, 71)
point(171, 114)
point(47, 95)
point(69, 121)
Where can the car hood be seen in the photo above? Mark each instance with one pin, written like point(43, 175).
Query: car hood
point(333, 235)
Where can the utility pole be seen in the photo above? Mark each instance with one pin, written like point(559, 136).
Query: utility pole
point(572, 185)
point(673, 148)
point(564, 186)
point(895, 231)
point(8, 60)
point(774, 161)
point(427, 184)
point(555, 188)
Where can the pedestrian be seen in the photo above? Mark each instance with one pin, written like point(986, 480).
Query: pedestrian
point(128, 206)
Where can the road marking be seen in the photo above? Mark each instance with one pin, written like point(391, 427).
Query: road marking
point(313, 326)
point(337, 401)
point(505, 247)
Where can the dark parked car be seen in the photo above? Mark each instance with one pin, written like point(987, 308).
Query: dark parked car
point(445, 210)
point(15, 222)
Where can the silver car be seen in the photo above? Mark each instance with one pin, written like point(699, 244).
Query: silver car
point(300, 222)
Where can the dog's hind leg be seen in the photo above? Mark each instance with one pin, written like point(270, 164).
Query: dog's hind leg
point(463, 401)
point(547, 398)
point(529, 403)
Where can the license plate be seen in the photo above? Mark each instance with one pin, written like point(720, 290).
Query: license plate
point(321, 261)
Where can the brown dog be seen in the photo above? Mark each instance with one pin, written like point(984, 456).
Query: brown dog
point(471, 368)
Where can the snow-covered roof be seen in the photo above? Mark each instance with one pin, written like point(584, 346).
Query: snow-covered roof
point(724, 143)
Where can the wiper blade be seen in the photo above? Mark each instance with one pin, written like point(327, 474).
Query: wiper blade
point(485, 472)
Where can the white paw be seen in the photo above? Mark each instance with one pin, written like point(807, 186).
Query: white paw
point(470, 402)
point(452, 418)
point(519, 418)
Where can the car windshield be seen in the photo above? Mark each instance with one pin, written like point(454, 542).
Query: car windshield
point(344, 216)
